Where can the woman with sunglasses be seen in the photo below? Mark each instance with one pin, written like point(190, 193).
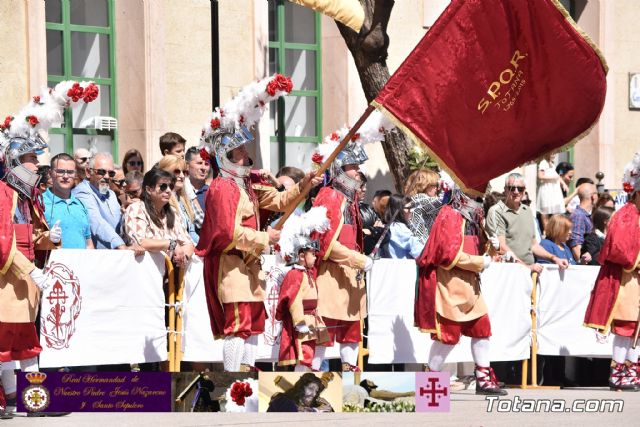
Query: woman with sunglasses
point(153, 224)
point(191, 214)
point(132, 161)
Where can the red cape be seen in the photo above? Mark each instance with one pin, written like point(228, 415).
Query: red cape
point(442, 248)
point(7, 235)
point(620, 250)
point(216, 237)
point(333, 200)
point(288, 354)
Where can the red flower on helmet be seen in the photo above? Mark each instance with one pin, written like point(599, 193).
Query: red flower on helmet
point(204, 154)
point(627, 187)
point(90, 93)
point(33, 120)
point(7, 123)
point(75, 92)
point(36, 99)
point(355, 137)
point(276, 247)
point(335, 136)
point(279, 83)
point(317, 158)
point(215, 123)
point(239, 392)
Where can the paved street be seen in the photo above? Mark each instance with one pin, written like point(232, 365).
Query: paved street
point(466, 409)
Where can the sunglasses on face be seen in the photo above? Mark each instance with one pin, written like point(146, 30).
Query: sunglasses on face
point(120, 182)
point(163, 187)
point(132, 194)
point(179, 171)
point(513, 188)
point(134, 163)
point(82, 159)
point(62, 172)
point(103, 172)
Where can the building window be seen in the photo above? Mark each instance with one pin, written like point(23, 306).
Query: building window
point(80, 46)
point(294, 50)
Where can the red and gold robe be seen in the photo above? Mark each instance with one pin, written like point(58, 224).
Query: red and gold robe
point(297, 303)
point(615, 294)
point(19, 296)
point(339, 260)
point(448, 268)
point(230, 243)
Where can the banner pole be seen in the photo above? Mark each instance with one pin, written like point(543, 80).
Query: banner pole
point(179, 313)
point(172, 314)
point(534, 339)
point(325, 166)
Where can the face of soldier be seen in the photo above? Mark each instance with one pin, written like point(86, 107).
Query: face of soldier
point(308, 258)
point(240, 156)
point(30, 161)
point(352, 171)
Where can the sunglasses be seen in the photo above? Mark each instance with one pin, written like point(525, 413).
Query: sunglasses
point(513, 188)
point(133, 194)
point(163, 187)
point(178, 171)
point(62, 172)
point(120, 182)
point(134, 163)
point(83, 159)
point(103, 172)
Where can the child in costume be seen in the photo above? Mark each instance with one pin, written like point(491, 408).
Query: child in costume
point(302, 326)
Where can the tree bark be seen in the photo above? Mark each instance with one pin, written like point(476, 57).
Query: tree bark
point(369, 51)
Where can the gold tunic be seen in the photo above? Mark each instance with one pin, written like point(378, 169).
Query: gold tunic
point(627, 303)
point(458, 296)
point(241, 277)
point(19, 296)
point(341, 296)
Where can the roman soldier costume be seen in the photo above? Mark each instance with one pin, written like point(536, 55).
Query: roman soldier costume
point(341, 264)
point(449, 301)
point(615, 296)
point(302, 325)
point(23, 229)
point(230, 240)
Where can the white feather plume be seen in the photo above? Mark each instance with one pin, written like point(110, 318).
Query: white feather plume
point(631, 179)
point(372, 130)
point(47, 109)
point(302, 225)
point(248, 105)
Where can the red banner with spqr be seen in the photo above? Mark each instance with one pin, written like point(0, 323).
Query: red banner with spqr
point(495, 84)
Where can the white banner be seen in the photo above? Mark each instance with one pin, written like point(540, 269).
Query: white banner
point(394, 339)
point(563, 297)
point(106, 307)
point(198, 342)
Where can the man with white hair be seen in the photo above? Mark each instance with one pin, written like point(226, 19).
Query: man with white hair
point(511, 225)
point(101, 202)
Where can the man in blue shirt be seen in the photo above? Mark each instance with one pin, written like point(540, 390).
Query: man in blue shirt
point(581, 218)
point(199, 169)
point(101, 203)
point(61, 208)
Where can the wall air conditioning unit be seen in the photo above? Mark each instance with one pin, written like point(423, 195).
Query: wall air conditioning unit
point(101, 123)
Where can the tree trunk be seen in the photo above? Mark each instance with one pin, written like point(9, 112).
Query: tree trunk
point(369, 51)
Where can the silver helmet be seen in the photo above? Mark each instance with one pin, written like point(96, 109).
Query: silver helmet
point(301, 242)
point(17, 175)
point(352, 154)
point(224, 141)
